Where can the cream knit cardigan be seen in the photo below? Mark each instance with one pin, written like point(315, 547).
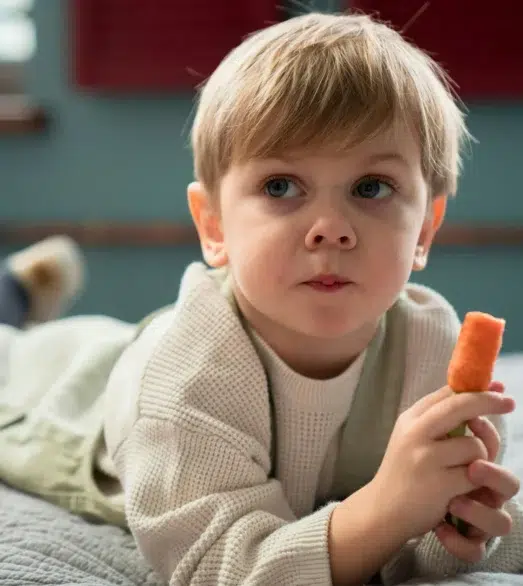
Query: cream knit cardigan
point(188, 427)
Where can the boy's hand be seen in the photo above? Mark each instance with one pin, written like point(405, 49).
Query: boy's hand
point(482, 508)
point(423, 470)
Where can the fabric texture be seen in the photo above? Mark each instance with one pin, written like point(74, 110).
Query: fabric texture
point(43, 545)
point(192, 436)
point(232, 463)
point(51, 413)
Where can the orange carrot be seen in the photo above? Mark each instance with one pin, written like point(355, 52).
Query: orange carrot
point(476, 351)
point(472, 365)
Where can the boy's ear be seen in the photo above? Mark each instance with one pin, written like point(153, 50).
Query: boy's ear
point(431, 225)
point(208, 225)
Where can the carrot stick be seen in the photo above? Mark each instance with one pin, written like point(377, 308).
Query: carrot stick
point(472, 364)
point(475, 354)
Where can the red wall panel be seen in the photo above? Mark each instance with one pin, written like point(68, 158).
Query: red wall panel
point(158, 44)
point(479, 43)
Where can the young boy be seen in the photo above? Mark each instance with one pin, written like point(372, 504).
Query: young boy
point(322, 146)
point(286, 421)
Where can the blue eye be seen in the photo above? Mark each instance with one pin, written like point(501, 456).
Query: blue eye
point(370, 188)
point(281, 187)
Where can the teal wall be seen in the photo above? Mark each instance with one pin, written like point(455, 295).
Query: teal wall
point(126, 158)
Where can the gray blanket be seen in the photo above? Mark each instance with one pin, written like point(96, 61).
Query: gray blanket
point(42, 544)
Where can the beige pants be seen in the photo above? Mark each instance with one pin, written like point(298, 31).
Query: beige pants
point(52, 379)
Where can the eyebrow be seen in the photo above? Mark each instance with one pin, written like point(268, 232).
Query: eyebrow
point(384, 157)
point(370, 160)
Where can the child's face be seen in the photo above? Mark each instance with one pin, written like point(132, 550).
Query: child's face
point(321, 244)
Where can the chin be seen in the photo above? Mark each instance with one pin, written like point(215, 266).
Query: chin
point(333, 327)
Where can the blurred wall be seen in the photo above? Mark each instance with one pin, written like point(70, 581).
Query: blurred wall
point(127, 158)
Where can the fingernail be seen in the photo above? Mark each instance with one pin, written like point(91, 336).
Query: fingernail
point(509, 401)
point(496, 387)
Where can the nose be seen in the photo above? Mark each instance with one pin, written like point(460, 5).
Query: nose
point(331, 232)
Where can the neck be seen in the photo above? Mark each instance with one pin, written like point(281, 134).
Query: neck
point(310, 356)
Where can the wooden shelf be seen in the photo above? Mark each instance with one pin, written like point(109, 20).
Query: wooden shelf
point(19, 116)
point(103, 233)
point(146, 234)
point(480, 235)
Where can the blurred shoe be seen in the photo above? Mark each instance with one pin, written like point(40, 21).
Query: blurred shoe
point(53, 273)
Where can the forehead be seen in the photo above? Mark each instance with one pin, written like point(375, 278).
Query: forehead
point(397, 144)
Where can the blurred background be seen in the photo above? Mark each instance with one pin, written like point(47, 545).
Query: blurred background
point(96, 99)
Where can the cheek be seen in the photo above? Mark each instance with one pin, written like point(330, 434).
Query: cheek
point(257, 242)
point(407, 214)
point(257, 257)
point(393, 245)
point(405, 225)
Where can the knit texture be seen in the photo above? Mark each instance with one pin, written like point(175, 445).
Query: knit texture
point(190, 430)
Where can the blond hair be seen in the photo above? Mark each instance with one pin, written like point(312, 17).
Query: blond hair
point(321, 80)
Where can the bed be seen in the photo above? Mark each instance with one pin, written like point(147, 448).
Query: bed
point(41, 544)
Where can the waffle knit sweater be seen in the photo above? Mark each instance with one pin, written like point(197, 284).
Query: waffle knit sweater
point(189, 431)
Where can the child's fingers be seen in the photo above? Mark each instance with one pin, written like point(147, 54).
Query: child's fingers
point(460, 451)
point(467, 549)
point(444, 416)
point(492, 522)
point(496, 387)
point(427, 401)
point(487, 497)
point(494, 477)
point(477, 534)
point(486, 431)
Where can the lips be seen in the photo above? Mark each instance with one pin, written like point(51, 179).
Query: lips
point(328, 282)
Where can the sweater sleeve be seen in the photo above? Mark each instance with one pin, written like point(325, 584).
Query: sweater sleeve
point(203, 511)
point(189, 432)
point(433, 328)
